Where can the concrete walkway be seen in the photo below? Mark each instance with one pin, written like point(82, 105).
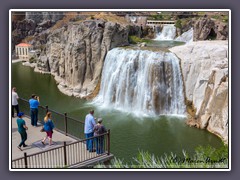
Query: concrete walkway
point(34, 139)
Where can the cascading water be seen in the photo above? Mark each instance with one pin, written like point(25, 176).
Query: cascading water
point(186, 36)
point(168, 32)
point(141, 82)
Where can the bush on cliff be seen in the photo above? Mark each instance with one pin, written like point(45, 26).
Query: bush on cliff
point(135, 40)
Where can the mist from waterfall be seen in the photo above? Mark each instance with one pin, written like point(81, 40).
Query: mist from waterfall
point(141, 82)
point(168, 32)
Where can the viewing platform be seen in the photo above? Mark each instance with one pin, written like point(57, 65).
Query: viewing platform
point(66, 151)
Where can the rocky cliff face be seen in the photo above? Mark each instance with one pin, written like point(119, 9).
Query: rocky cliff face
point(32, 24)
point(205, 74)
point(75, 54)
point(206, 28)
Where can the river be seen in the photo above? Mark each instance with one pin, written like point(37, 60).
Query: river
point(129, 134)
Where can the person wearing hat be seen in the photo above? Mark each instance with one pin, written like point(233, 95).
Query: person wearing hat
point(99, 129)
point(88, 130)
point(22, 130)
point(34, 103)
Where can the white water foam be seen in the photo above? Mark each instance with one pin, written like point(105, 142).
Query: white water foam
point(145, 83)
point(168, 33)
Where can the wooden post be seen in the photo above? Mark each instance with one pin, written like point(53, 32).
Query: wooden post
point(108, 140)
point(65, 120)
point(25, 160)
point(65, 154)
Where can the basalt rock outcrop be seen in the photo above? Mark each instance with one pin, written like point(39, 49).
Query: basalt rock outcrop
point(206, 28)
point(32, 24)
point(75, 53)
point(204, 67)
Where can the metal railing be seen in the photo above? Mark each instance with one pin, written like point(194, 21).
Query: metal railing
point(63, 123)
point(66, 155)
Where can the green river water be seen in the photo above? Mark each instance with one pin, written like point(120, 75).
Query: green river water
point(129, 134)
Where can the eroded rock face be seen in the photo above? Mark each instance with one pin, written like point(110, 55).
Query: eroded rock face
point(32, 24)
point(205, 74)
point(75, 54)
point(206, 28)
point(22, 29)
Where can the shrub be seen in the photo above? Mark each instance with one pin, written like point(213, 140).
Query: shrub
point(204, 157)
point(32, 60)
point(178, 24)
point(225, 19)
point(135, 40)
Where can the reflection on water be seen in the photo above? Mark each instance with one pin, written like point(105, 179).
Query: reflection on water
point(129, 134)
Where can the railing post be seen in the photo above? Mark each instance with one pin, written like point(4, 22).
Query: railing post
point(65, 153)
point(46, 109)
point(25, 160)
point(65, 120)
point(108, 141)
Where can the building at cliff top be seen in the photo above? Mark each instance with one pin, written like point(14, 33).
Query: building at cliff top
point(158, 22)
point(22, 51)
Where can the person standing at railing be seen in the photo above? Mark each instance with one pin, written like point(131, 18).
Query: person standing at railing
point(48, 128)
point(88, 130)
point(22, 130)
point(14, 101)
point(99, 129)
point(34, 103)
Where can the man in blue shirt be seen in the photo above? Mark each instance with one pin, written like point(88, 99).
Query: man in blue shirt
point(88, 130)
point(34, 103)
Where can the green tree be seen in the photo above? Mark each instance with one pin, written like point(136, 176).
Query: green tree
point(178, 24)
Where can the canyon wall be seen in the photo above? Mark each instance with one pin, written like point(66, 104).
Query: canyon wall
point(204, 67)
point(75, 53)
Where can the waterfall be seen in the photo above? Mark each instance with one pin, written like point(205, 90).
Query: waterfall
point(168, 32)
point(141, 82)
point(186, 36)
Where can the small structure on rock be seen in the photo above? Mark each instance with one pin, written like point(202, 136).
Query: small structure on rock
point(22, 51)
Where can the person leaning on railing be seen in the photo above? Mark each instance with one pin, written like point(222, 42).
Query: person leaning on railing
point(34, 103)
point(99, 129)
point(88, 130)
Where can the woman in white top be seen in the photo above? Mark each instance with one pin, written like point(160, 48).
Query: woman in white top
point(14, 101)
